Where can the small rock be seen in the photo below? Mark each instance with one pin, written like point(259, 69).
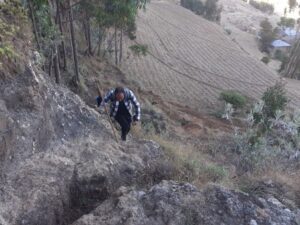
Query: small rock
point(253, 222)
point(287, 210)
point(275, 202)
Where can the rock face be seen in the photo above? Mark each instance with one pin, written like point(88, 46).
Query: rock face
point(178, 204)
point(58, 158)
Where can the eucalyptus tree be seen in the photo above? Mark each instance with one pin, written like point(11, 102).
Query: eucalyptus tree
point(50, 19)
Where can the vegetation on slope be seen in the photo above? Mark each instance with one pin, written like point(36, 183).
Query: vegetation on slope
point(90, 21)
point(14, 36)
point(209, 10)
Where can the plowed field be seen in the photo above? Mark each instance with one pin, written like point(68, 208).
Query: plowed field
point(191, 60)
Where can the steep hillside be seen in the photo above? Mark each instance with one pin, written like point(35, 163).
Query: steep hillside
point(191, 60)
point(58, 157)
point(243, 22)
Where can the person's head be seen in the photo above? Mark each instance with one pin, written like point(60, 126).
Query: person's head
point(119, 94)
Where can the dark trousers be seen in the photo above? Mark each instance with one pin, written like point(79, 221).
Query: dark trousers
point(124, 119)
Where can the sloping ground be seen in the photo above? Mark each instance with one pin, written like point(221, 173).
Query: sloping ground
point(191, 60)
point(243, 22)
point(58, 158)
point(244, 16)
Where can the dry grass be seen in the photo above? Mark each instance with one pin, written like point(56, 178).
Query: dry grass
point(191, 165)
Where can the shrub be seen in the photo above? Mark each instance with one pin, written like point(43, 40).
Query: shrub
point(194, 5)
point(139, 49)
point(234, 98)
point(215, 172)
point(287, 22)
point(267, 35)
point(265, 59)
point(275, 99)
point(270, 138)
point(209, 10)
point(279, 55)
point(262, 6)
point(228, 31)
point(13, 32)
point(284, 63)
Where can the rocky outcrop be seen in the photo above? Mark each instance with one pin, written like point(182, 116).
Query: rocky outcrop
point(58, 158)
point(59, 164)
point(177, 204)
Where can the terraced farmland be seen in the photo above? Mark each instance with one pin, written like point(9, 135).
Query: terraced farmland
point(191, 60)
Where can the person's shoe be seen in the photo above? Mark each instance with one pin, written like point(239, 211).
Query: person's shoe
point(123, 137)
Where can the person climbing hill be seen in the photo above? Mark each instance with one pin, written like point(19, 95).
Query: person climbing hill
point(121, 100)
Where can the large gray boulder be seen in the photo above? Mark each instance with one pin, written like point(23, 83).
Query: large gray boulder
point(179, 204)
point(58, 158)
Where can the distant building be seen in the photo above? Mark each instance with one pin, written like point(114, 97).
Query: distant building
point(279, 45)
point(289, 34)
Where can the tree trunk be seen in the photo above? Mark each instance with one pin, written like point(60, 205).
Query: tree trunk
point(294, 61)
point(56, 65)
point(50, 63)
point(89, 39)
point(74, 47)
point(62, 46)
point(109, 46)
point(100, 38)
point(116, 46)
point(121, 46)
point(34, 25)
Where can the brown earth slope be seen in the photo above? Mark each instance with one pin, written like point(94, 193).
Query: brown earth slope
point(191, 60)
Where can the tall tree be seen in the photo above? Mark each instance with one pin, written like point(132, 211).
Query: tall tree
point(292, 4)
point(73, 41)
point(267, 35)
point(87, 11)
point(32, 16)
point(292, 68)
point(62, 46)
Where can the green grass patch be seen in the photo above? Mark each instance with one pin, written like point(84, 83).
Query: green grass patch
point(234, 98)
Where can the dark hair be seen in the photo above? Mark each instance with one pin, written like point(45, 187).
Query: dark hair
point(119, 90)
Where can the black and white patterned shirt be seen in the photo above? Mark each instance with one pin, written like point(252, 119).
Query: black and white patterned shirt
point(129, 100)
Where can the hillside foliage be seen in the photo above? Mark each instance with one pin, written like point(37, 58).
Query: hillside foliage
point(262, 6)
point(209, 10)
point(13, 25)
point(267, 35)
point(63, 28)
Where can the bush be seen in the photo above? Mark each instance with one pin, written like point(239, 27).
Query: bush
point(279, 55)
point(194, 5)
point(139, 49)
point(234, 98)
point(284, 63)
point(262, 6)
point(275, 99)
point(287, 22)
point(215, 172)
point(265, 60)
point(209, 10)
point(267, 35)
point(228, 31)
point(13, 32)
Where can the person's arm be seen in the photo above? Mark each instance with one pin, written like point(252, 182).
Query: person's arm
point(109, 95)
point(136, 105)
point(106, 99)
